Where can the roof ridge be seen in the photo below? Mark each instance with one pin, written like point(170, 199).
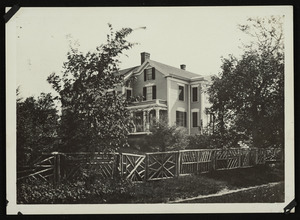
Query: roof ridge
point(180, 72)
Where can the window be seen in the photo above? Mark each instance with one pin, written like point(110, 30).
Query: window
point(149, 92)
point(195, 94)
point(181, 118)
point(181, 93)
point(128, 94)
point(195, 119)
point(149, 74)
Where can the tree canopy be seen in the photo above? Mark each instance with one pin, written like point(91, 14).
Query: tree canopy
point(37, 124)
point(248, 95)
point(93, 113)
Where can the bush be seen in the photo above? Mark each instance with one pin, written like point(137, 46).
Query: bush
point(166, 138)
point(108, 191)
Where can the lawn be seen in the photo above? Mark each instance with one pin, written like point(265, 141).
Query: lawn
point(266, 194)
point(164, 191)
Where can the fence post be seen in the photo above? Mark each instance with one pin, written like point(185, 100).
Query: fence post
point(256, 156)
point(54, 170)
point(198, 156)
point(146, 166)
point(240, 157)
point(178, 163)
point(213, 160)
point(58, 168)
point(121, 164)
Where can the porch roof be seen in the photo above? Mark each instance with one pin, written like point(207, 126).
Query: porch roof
point(149, 104)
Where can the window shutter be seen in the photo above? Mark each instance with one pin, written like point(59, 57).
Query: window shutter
point(184, 119)
point(145, 75)
point(177, 117)
point(144, 93)
point(153, 73)
point(195, 119)
point(153, 92)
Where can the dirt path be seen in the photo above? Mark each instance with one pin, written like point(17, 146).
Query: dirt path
point(224, 192)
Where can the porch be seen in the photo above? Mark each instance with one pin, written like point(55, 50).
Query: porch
point(145, 113)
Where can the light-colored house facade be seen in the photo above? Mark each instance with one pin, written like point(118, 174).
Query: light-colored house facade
point(157, 91)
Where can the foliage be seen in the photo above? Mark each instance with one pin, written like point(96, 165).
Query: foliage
point(109, 191)
point(37, 123)
point(248, 96)
point(164, 137)
point(94, 116)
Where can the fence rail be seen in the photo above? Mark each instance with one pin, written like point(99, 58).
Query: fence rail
point(150, 166)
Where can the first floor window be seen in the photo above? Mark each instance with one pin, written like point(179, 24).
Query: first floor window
point(128, 94)
point(181, 118)
point(195, 119)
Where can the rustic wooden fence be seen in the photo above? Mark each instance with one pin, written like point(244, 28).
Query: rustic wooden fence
point(146, 167)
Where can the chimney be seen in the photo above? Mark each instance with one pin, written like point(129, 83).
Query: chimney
point(144, 56)
point(182, 66)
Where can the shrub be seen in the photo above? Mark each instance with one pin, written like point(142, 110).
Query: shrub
point(164, 137)
point(108, 191)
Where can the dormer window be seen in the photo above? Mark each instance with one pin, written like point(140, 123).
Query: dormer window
point(149, 74)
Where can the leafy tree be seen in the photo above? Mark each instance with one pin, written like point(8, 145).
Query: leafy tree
point(93, 113)
point(37, 123)
point(248, 96)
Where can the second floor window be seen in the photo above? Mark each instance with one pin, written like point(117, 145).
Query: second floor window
point(149, 92)
point(149, 74)
point(181, 93)
point(195, 94)
point(181, 118)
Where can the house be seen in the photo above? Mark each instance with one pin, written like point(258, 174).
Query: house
point(156, 90)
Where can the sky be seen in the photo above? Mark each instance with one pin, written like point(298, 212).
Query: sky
point(195, 36)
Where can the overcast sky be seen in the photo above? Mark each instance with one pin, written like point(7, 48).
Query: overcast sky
point(197, 37)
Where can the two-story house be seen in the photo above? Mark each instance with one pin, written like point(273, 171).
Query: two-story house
point(161, 91)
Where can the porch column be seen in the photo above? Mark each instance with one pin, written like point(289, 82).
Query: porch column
point(157, 114)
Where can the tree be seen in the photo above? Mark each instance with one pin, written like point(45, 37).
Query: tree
point(93, 113)
point(37, 123)
point(248, 96)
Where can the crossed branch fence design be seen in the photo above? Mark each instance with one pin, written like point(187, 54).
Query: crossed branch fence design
point(146, 167)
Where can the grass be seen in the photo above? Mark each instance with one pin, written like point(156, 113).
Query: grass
point(258, 175)
point(259, 195)
point(163, 191)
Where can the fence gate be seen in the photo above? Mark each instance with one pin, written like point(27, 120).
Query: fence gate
point(77, 164)
point(44, 167)
point(161, 165)
point(132, 166)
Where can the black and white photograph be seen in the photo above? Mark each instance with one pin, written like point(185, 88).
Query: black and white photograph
point(149, 110)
